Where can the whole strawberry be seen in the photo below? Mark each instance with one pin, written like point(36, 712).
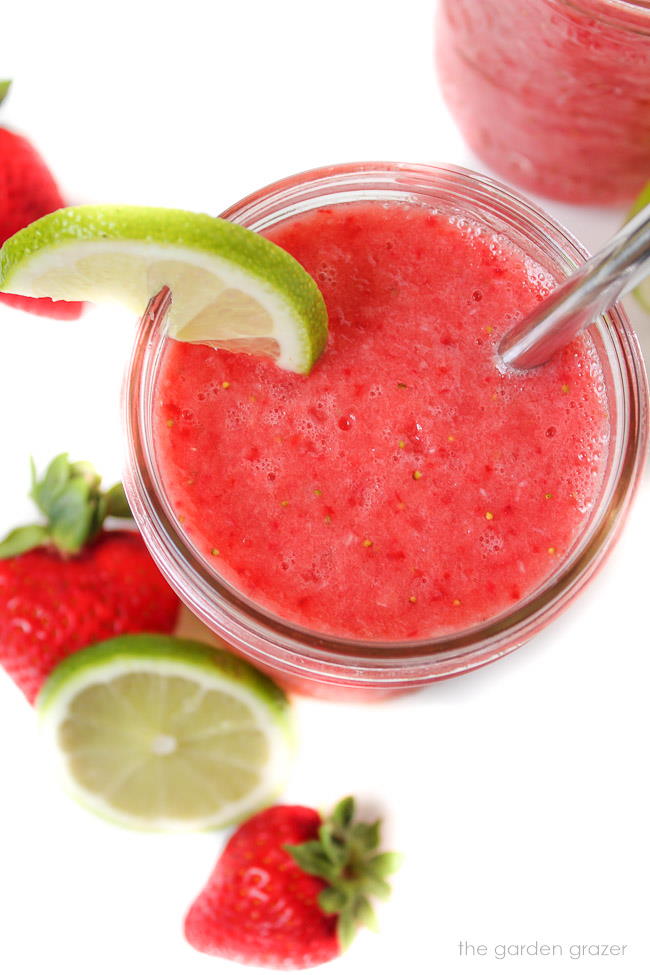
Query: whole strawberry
point(69, 582)
point(27, 191)
point(290, 889)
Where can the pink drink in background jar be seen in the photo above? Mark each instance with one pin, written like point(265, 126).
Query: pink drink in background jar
point(553, 94)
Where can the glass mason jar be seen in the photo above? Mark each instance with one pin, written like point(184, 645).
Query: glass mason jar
point(552, 94)
point(328, 666)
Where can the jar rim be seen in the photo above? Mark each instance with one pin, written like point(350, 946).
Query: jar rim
point(248, 626)
point(632, 15)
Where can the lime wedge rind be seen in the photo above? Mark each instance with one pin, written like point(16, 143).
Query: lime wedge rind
point(210, 669)
point(223, 277)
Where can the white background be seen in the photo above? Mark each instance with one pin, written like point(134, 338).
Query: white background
point(518, 793)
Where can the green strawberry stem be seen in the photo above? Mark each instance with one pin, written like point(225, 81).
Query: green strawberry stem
point(345, 854)
point(74, 506)
point(4, 89)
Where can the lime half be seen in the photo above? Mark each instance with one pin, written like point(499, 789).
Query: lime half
point(159, 733)
point(231, 288)
point(642, 291)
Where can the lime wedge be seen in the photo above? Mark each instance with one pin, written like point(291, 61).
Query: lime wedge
point(231, 288)
point(159, 733)
point(642, 291)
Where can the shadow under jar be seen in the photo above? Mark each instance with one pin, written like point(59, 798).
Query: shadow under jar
point(552, 94)
point(410, 510)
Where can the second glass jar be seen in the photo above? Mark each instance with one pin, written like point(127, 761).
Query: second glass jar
point(553, 94)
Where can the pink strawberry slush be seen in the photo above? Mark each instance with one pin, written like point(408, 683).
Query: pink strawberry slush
point(552, 96)
point(408, 487)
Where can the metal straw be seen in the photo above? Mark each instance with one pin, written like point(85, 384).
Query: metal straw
point(605, 278)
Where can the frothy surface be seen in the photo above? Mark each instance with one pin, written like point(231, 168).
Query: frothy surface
point(407, 487)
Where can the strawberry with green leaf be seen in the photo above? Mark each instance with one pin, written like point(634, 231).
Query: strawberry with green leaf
point(68, 582)
point(291, 889)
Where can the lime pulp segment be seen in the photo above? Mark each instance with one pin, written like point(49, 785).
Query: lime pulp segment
point(161, 733)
